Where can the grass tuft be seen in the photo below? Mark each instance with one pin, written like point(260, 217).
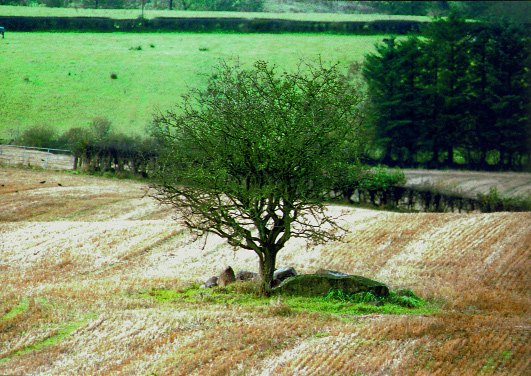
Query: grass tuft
point(278, 307)
point(403, 298)
point(245, 294)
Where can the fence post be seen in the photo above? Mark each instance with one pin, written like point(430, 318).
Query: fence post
point(11, 153)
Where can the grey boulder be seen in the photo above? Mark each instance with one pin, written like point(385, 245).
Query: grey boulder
point(322, 283)
point(226, 277)
point(283, 273)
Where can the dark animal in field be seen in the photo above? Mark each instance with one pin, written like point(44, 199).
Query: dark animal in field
point(42, 182)
point(2, 30)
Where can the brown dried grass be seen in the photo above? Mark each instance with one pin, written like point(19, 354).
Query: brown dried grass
point(89, 274)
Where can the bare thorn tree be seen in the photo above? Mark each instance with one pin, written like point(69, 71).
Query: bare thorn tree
point(251, 158)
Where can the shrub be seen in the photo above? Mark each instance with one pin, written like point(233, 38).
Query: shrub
point(350, 180)
point(381, 185)
point(402, 297)
point(100, 127)
point(231, 5)
point(40, 136)
point(493, 202)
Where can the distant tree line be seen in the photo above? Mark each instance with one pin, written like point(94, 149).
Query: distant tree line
point(517, 11)
point(208, 25)
point(456, 97)
point(192, 5)
point(97, 148)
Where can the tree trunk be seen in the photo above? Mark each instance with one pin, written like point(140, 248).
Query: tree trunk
point(267, 269)
point(451, 156)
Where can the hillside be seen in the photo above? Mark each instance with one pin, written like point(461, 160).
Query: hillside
point(69, 82)
point(79, 260)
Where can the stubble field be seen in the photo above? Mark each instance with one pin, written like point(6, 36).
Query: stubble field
point(78, 262)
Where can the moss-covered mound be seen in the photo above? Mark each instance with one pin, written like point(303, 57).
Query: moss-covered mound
point(323, 283)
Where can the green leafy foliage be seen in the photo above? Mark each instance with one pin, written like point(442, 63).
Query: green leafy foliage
point(494, 202)
point(39, 136)
point(382, 178)
point(99, 149)
point(403, 298)
point(362, 297)
point(455, 96)
point(251, 157)
point(248, 295)
point(381, 184)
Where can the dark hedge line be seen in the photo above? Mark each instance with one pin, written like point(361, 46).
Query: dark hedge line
point(432, 201)
point(207, 24)
point(386, 188)
point(416, 199)
point(97, 148)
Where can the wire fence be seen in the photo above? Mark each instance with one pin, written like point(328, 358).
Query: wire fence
point(57, 159)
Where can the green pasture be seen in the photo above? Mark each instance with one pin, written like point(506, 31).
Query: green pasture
point(63, 80)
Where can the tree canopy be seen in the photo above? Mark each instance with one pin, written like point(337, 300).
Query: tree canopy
point(460, 91)
point(251, 157)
